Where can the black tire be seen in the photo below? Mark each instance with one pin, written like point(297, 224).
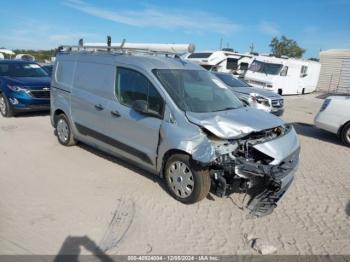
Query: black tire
point(303, 91)
point(200, 179)
point(6, 110)
point(345, 134)
point(64, 131)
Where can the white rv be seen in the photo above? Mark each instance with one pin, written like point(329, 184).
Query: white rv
point(222, 61)
point(285, 76)
point(4, 52)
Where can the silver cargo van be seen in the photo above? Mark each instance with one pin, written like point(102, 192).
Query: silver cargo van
point(176, 120)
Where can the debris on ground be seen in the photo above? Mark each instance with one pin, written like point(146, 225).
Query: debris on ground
point(260, 246)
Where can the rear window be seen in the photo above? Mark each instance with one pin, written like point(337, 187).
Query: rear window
point(64, 72)
point(200, 55)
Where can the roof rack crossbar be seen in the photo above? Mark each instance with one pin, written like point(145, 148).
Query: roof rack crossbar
point(71, 48)
point(169, 49)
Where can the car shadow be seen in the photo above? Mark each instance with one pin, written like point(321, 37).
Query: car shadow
point(311, 131)
point(124, 163)
point(32, 114)
point(72, 247)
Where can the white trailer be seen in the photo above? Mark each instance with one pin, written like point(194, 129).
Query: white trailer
point(6, 52)
point(285, 76)
point(222, 61)
point(26, 57)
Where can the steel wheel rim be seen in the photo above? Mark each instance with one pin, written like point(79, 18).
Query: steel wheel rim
point(2, 105)
point(180, 179)
point(347, 135)
point(62, 130)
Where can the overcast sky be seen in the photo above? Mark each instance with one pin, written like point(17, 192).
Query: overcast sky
point(315, 25)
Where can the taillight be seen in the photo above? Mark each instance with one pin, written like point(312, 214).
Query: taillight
point(325, 104)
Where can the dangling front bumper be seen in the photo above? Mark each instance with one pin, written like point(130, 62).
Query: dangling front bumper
point(272, 187)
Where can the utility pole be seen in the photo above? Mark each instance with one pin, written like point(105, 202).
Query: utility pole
point(220, 43)
point(251, 47)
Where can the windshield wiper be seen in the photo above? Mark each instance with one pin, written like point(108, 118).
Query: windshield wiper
point(263, 69)
point(225, 109)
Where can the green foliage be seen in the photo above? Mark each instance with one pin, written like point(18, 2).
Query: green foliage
point(286, 47)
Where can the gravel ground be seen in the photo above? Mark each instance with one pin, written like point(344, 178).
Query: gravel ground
point(58, 200)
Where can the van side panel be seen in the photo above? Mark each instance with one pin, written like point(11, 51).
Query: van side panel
point(61, 85)
point(89, 95)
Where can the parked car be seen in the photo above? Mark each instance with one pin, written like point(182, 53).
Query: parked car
point(176, 120)
point(24, 86)
point(334, 116)
point(255, 97)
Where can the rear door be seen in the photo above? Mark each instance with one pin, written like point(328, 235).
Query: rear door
point(90, 97)
point(303, 79)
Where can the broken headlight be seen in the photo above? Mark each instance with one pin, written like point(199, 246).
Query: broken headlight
point(260, 99)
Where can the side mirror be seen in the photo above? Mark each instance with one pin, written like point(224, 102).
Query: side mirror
point(140, 106)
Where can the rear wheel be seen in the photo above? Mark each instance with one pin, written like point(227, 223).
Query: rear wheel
point(64, 132)
point(185, 181)
point(6, 109)
point(345, 134)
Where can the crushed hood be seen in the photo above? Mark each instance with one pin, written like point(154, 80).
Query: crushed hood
point(235, 123)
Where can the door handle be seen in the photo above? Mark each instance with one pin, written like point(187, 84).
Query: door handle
point(99, 107)
point(115, 113)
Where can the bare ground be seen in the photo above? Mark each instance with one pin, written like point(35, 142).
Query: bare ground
point(55, 199)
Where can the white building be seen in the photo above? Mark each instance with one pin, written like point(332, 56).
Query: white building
point(335, 71)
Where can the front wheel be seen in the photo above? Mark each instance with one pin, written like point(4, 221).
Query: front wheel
point(345, 134)
point(64, 131)
point(185, 181)
point(5, 107)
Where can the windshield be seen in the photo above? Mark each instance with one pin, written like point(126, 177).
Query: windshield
point(22, 70)
point(266, 68)
point(230, 80)
point(48, 69)
point(197, 90)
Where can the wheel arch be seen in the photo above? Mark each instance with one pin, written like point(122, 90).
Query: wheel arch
point(168, 154)
point(57, 112)
point(341, 128)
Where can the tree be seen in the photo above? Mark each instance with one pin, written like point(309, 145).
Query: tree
point(287, 47)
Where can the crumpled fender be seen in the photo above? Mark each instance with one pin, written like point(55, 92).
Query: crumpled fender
point(190, 140)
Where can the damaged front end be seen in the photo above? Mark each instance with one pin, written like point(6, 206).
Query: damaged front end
point(260, 166)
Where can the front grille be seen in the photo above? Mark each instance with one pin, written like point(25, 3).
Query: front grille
point(254, 82)
point(44, 94)
point(277, 103)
